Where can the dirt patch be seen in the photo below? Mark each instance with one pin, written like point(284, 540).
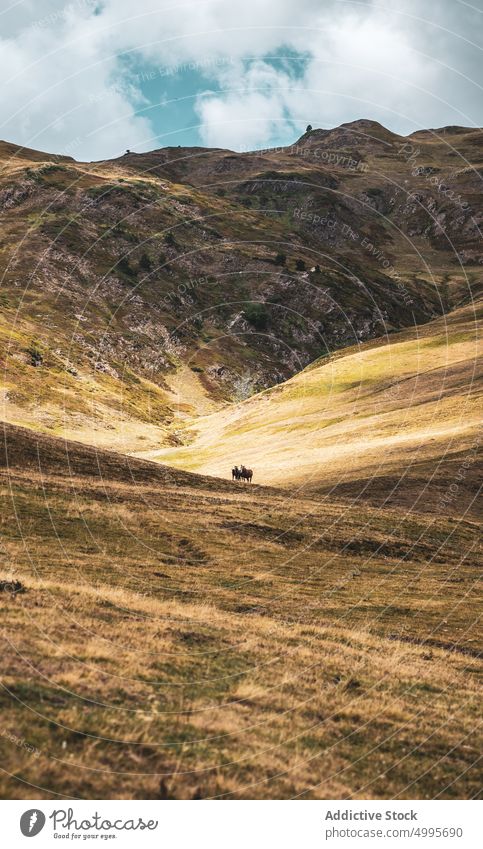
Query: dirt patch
point(266, 532)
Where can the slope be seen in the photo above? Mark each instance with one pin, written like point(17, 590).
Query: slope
point(391, 419)
point(174, 636)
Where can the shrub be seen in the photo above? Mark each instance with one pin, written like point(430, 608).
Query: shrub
point(300, 265)
point(256, 315)
point(280, 259)
point(35, 354)
point(124, 267)
point(170, 240)
point(12, 587)
point(145, 263)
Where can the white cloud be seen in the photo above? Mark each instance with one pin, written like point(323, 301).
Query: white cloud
point(251, 109)
point(365, 65)
point(59, 87)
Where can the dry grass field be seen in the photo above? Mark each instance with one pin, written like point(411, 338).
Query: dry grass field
point(169, 635)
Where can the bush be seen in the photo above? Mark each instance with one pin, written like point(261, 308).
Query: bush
point(124, 267)
point(12, 587)
point(35, 354)
point(170, 240)
point(145, 263)
point(300, 265)
point(256, 315)
point(280, 259)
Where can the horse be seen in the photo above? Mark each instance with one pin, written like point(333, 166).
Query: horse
point(235, 474)
point(246, 474)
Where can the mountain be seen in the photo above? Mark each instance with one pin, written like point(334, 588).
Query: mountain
point(141, 291)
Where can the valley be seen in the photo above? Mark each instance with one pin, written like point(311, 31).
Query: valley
point(311, 311)
point(395, 417)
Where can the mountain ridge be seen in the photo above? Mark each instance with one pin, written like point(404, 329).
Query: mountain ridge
point(138, 291)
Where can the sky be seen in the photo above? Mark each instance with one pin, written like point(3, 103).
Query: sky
point(92, 78)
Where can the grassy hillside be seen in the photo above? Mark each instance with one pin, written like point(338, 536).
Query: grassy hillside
point(169, 635)
point(156, 286)
point(173, 634)
point(394, 418)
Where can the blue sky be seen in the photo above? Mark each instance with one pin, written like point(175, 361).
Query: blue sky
point(94, 77)
point(173, 92)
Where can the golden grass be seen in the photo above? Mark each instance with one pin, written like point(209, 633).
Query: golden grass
point(185, 638)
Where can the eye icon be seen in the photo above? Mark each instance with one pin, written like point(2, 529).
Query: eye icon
point(32, 822)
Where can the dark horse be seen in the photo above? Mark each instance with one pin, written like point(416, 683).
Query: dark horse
point(241, 473)
point(246, 474)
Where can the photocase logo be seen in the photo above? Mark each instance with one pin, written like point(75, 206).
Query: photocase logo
point(32, 822)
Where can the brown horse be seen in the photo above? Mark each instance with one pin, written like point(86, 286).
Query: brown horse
point(246, 474)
